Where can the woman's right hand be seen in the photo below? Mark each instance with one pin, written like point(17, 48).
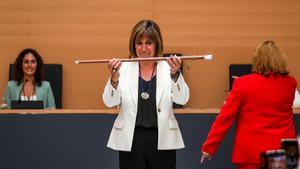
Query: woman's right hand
point(205, 156)
point(114, 66)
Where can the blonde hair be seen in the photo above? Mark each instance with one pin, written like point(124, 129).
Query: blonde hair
point(268, 58)
point(146, 28)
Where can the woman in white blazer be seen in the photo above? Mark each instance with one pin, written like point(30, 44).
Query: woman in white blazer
point(145, 132)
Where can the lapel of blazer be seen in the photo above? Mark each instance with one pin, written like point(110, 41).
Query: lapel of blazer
point(39, 91)
point(160, 78)
point(133, 77)
point(17, 91)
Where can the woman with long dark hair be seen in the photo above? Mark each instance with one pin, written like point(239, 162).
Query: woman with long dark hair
point(28, 83)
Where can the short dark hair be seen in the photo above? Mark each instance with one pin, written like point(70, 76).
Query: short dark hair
point(18, 67)
point(146, 28)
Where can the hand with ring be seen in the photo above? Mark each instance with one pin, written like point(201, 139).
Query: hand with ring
point(114, 66)
point(174, 63)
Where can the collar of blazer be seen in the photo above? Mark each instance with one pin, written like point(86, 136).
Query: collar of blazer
point(162, 71)
point(17, 89)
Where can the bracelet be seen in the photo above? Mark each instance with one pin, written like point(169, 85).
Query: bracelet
point(114, 83)
point(175, 76)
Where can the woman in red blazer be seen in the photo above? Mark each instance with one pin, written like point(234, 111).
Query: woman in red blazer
point(262, 104)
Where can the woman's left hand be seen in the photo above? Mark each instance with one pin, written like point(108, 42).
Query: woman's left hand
point(174, 63)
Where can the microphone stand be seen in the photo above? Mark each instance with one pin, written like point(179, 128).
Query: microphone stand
point(25, 81)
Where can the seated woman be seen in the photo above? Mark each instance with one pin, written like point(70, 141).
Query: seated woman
point(28, 83)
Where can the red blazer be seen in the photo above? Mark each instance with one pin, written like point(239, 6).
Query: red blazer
point(263, 109)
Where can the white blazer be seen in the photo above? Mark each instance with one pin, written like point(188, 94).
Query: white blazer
point(296, 103)
point(126, 95)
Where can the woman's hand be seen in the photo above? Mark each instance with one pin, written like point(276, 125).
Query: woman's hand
point(174, 63)
point(114, 66)
point(205, 156)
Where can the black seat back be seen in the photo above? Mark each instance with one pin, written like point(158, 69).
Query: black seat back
point(237, 70)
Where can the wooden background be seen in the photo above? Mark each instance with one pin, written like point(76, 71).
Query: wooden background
point(66, 30)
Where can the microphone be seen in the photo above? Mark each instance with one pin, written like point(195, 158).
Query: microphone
point(26, 80)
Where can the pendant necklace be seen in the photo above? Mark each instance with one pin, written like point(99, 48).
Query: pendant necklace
point(145, 94)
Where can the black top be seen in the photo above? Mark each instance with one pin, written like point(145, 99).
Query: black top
point(146, 111)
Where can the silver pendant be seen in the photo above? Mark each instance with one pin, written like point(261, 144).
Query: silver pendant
point(145, 95)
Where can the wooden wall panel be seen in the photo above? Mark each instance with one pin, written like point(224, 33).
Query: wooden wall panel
point(67, 30)
point(230, 31)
